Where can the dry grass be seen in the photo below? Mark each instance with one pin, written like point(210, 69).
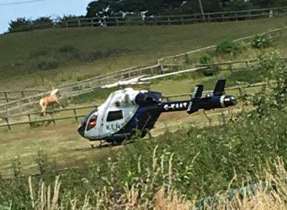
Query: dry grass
point(265, 197)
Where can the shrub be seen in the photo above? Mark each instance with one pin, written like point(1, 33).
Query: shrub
point(261, 41)
point(228, 47)
point(20, 24)
point(69, 51)
point(207, 59)
point(23, 24)
point(46, 63)
point(42, 22)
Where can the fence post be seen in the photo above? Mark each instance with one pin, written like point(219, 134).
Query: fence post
point(161, 68)
point(247, 64)
point(6, 96)
point(29, 118)
point(79, 22)
point(7, 123)
point(208, 118)
point(23, 94)
point(223, 118)
point(181, 21)
point(75, 114)
point(52, 118)
point(230, 67)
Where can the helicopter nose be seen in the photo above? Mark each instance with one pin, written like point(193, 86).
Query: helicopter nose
point(81, 128)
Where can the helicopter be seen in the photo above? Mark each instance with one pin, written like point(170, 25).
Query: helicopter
point(127, 111)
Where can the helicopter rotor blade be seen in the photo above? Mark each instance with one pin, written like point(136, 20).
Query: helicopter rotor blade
point(124, 83)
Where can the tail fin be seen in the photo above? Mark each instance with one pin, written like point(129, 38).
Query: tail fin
point(197, 93)
point(219, 88)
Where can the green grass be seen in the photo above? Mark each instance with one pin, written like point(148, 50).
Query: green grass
point(195, 162)
point(49, 57)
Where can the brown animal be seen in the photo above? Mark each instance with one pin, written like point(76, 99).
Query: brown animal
point(47, 101)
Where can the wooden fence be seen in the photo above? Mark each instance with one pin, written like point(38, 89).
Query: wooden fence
point(184, 57)
point(164, 65)
point(12, 95)
point(174, 19)
point(76, 115)
point(129, 20)
point(93, 84)
point(35, 119)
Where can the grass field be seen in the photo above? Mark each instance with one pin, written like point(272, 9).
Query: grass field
point(49, 57)
point(190, 160)
point(66, 147)
point(63, 145)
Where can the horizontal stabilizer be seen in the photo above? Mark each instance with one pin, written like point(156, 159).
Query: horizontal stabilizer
point(219, 88)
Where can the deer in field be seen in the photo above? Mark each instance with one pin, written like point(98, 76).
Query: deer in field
point(47, 101)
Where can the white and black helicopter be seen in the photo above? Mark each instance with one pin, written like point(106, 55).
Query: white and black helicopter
point(128, 111)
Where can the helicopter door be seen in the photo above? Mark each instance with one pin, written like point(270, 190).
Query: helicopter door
point(115, 115)
point(115, 120)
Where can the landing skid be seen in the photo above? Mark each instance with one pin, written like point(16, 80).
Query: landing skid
point(104, 144)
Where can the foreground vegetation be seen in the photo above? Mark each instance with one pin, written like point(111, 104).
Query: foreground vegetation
point(176, 169)
point(194, 162)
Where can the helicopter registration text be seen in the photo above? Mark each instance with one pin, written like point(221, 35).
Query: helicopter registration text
point(175, 106)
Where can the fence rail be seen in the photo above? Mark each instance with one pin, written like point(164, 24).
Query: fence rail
point(11, 95)
point(17, 120)
point(175, 19)
point(185, 56)
point(129, 20)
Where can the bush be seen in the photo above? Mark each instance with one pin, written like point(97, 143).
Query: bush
point(207, 59)
point(228, 47)
point(69, 51)
point(261, 41)
point(23, 24)
point(42, 22)
point(275, 71)
point(46, 63)
point(20, 24)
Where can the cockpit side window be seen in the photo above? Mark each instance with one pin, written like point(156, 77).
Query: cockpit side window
point(114, 115)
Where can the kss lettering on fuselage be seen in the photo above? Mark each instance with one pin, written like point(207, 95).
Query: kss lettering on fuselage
point(175, 106)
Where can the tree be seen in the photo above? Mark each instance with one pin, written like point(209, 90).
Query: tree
point(235, 5)
point(159, 7)
point(20, 24)
point(42, 22)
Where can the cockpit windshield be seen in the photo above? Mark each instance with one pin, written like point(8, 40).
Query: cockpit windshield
point(92, 122)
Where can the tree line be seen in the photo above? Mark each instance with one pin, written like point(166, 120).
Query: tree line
point(164, 7)
point(125, 8)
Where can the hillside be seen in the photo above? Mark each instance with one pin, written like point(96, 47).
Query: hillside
point(49, 57)
point(188, 157)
